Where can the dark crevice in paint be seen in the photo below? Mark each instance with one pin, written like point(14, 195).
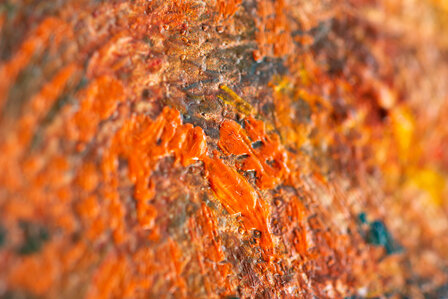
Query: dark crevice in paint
point(2, 236)
point(17, 294)
point(35, 236)
point(257, 144)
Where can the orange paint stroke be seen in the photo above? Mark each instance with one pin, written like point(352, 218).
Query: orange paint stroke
point(33, 45)
point(42, 102)
point(99, 101)
point(238, 196)
point(268, 160)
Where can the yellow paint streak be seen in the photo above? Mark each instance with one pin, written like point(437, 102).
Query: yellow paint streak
point(403, 126)
point(235, 100)
point(432, 182)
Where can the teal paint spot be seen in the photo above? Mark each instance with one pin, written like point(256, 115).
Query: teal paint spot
point(35, 237)
point(380, 236)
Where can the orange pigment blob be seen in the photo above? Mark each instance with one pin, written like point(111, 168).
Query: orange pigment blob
point(143, 142)
point(268, 159)
point(99, 101)
point(227, 8)
point(238, 196)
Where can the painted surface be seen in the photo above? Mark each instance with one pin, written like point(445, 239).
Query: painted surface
point(223, 149)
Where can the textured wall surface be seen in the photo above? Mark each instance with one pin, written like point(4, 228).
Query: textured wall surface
point(223, 149)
